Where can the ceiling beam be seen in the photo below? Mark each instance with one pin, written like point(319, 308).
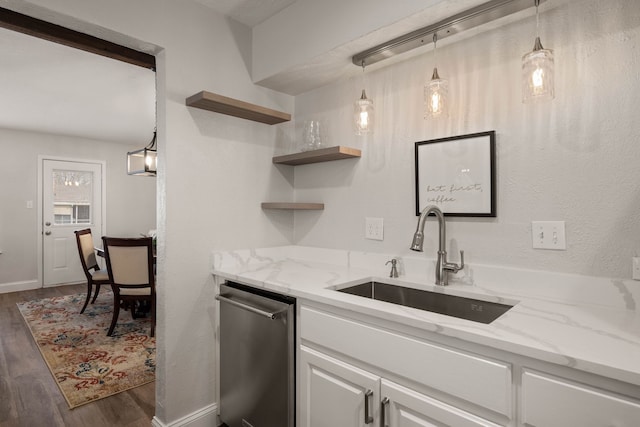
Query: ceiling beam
point(55, 33)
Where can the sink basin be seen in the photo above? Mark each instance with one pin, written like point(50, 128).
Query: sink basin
point(450, 305)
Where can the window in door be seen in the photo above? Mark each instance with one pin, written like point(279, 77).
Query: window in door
point(72, 197)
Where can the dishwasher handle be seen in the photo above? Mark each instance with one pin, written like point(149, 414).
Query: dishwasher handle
point(251, 308)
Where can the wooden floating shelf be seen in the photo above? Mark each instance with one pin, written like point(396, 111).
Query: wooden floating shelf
point(322, 155)
point(233, 107)
point(294, 206)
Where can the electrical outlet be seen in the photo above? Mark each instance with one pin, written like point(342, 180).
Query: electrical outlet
point(548, 235)
point(636, 268)
point(374, 228)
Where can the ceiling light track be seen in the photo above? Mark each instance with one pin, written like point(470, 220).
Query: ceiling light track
point(455, 24)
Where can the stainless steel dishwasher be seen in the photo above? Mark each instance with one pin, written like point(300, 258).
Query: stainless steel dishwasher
point(257, 357)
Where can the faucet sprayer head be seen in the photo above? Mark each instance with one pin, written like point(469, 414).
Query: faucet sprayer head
point(416, 245)
point(418, 237)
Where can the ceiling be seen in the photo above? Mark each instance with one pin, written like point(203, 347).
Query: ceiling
point(248, 12)
point(51, 88)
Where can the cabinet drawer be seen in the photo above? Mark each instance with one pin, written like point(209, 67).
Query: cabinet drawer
point(475, 379)
point(554, 402)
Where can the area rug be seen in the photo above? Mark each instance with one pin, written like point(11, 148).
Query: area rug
point(86, 363)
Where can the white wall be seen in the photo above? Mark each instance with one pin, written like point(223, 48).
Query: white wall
point(575, 159)
point(131, 201)
point(214, 171)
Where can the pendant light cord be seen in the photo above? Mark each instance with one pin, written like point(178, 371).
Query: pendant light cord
point(435, 49)
point(364, 94)
point(537, 3)
point(152, 144)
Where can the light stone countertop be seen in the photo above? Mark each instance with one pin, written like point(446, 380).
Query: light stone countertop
point(588, 323)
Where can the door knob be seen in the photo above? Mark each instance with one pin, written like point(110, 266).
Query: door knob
point(48, 233)
point(47, 223)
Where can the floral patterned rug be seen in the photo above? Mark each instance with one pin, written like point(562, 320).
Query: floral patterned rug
point(86, 363)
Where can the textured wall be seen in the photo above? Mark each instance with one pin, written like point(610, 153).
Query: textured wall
point(575, 159)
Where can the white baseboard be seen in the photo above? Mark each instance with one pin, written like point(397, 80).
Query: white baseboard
point(19, 286)
point(203, 417)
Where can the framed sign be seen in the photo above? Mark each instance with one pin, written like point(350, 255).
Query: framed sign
point(457, 174)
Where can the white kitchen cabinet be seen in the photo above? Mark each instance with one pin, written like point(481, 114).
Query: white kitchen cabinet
point(464, 375)
point(403, 407)
point(335, 393)
point(549, 401)
point(436, 384)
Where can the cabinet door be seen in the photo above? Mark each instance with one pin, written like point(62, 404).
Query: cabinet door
point(334, 393)
point(549, 401)
point(408, 408)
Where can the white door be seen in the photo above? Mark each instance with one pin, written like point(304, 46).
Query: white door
point(334, 393)
point(549, 401)
point(404, 407)
point(71, 200)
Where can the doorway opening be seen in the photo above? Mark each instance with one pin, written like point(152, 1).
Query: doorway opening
point(60, 108)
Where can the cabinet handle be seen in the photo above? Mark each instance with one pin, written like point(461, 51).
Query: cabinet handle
point(368, 418)
point(383, 412)
point(242, 305)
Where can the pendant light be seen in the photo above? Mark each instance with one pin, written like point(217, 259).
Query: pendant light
point(537, 70)
point(363, 113)
point(143, 162)
point(436, 92)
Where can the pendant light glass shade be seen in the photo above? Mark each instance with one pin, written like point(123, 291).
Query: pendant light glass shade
point(538, 70)
point(537, 74)
point(436, 96)
point(436, 92)
point(363, 114)
point(143, 162)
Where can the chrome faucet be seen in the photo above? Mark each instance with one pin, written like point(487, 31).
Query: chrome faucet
point(442, 266)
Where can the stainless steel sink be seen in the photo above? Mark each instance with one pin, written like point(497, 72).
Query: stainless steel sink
point(450, 305)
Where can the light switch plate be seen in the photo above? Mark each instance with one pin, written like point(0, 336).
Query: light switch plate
point(548, 235)
point(636, 268)
point(374, 228)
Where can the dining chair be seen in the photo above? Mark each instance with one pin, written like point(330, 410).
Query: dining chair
point(130, 269)
point(95, 275)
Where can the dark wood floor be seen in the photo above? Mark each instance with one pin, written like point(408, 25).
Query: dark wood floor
point(29, 396)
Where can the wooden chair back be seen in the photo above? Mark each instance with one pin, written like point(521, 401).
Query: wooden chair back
point(84, 239)
point(130, 265)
